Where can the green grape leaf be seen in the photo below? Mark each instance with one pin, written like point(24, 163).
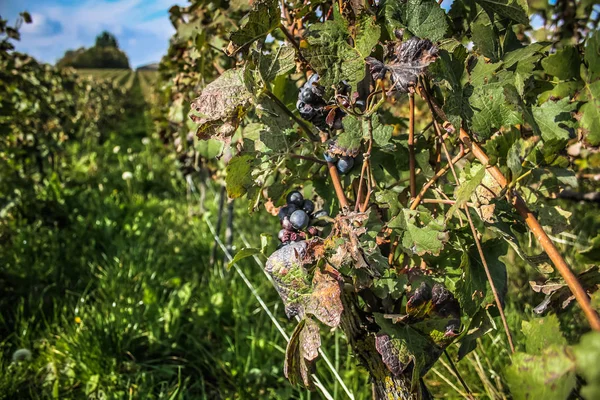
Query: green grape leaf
point(472, 290)
point(238, 177)
point(367, 35)
point(221, 106)
point(421, 233)
point(590, 113)
point(535, 49)
point(277, 130)
point(425, 19)
point(564, 64)
point(587, 354)
point(263, 18)
point(481, 324)
point(554, 118)
point(450, 68)
point(381, 133)
point(513, 9)
point(592, 56)
point(549, 375)
point(243, 253)
point(466, 189)
point(277, 63)
point(541, 333)
point(482, 72)
point(329, 53)
point(348, 142)
point(390, 12)
point(485, 37)
point(491, 110)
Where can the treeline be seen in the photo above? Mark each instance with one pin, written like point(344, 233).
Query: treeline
point(104, 54)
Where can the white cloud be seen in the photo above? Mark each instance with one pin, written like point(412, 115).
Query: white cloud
point(142, 30)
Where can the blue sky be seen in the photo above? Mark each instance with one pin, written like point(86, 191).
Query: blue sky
point(142, 27)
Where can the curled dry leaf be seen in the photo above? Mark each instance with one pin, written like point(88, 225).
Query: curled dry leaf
point(325, 302)
point(221, 106)
point(301, 351)
point(409, 60)
point(484, 196)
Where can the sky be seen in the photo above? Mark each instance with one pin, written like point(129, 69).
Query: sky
point(142, 27)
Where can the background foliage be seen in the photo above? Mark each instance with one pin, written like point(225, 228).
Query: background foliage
point(106, 278)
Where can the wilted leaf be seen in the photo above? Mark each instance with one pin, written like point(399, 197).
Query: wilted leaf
point(410, 59)
point(262, 19)
point(301, 351)
point(221, 106)
point(325, 302)
point(286, 267)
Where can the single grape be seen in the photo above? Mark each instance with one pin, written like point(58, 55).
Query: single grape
point(308, 206)
point(330, 158)
point(299, 219)
point(345, 164)
point(295, 198)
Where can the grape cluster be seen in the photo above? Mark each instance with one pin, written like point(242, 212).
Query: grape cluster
point(343, 164)
point(313, 108)
point(297, 217)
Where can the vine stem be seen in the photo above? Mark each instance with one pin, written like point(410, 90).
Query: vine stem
point(365, 165)
point(478, 244)
point(541, 236)
point(292, 41)
point(337, 185)
point(411, 145)
point(300, 123)
point(539, 233)
point(434, 178)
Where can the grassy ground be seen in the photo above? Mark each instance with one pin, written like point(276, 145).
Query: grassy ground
point(118, 299)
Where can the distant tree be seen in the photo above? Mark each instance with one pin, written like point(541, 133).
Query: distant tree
point(106, 39)
point(104, 54)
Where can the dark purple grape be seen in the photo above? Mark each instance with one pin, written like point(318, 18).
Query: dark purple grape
point(287, 210)
point(308, 206)
point(299, 220)
point(295, 198)
point(345, 164)
point(330, 158)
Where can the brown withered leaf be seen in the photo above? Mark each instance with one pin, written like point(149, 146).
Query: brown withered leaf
point(301, 352)
point(559, 296)
point(221, 106)
point(325, 302)
point(410, 59)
